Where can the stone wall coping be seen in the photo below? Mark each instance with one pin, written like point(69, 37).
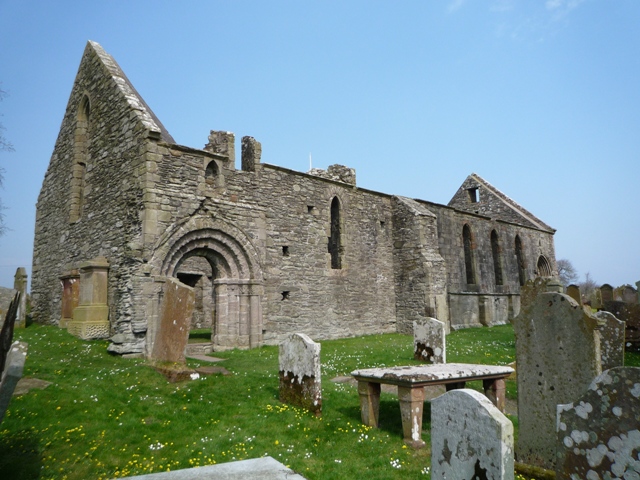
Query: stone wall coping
point(198, 151)
point(425, 374)
point(99, 262)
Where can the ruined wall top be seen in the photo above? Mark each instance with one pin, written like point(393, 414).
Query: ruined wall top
point(337, 173)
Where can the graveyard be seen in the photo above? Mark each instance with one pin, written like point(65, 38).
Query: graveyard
point(104, 416)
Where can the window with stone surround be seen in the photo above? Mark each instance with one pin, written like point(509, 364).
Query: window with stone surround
point(335, 240)
point(469, 255)
point(82, 138)
point(496, 252)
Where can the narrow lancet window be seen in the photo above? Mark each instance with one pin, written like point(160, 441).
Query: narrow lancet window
point(80, 160)
point(469, 260)
point(521, 261)
point(335, 240)
point(497, 257)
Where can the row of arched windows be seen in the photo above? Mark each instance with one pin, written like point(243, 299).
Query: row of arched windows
point(469, 245)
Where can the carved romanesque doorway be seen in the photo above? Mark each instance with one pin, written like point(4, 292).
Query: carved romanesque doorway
point(219, 264)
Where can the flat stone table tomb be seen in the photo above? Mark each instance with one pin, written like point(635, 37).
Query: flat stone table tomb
point(411, 381)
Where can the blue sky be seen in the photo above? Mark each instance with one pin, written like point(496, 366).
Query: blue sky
point(540, 98)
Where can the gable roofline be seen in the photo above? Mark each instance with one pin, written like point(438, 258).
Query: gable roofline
point(135, 101)
point(511, 203)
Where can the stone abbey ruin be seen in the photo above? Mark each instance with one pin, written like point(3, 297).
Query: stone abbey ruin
point(133, 229)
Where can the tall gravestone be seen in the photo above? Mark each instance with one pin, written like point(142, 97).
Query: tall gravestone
point(558, 355)
point(171, 334)
point(429, 340)
point(598, 433)
point(300, 382)
point(574, 292)
point(20, 284)
point(470, 438)
point(606, 291)
point(611, 340)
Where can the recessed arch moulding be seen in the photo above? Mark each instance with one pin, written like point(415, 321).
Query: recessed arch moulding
point(237, 280)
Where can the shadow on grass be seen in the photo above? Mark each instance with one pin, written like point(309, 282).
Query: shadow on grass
point(389, 419)
point(19, 456)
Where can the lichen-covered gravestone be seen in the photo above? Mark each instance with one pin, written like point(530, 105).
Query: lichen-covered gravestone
point(429, 341)
point(599, 433)
point(300, 382)
point(611, 340)
point(470, 438)
point(558, 355)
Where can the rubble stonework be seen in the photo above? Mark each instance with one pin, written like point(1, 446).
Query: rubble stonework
point(300, 381)
point(470, 437)
point(558, 355)
point(429, 341)
point(278, 250)
point(598, 435)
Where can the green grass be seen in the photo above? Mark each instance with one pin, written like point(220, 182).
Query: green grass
point(105, 417)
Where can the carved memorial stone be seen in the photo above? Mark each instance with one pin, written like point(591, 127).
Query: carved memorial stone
point(91, 316)
point(11, 374)
point(20, 284)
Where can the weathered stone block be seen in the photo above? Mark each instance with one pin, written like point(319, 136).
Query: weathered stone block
point(598, 435)
point(470, 438)
point(300, 381)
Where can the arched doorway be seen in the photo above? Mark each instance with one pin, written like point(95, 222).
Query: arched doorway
point(219, 262)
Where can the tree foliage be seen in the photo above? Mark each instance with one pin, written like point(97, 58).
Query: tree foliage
point(587, 286)
point(567, 272)
point(5, 145)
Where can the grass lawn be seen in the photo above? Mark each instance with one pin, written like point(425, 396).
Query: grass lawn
point(106, 417)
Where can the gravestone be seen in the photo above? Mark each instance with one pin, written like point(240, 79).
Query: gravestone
point(558, 355)
point(611, 340)
point(529, 292)
point(470, 438)
point(20, 284)
point(630, 314)
point(11, 373)
point(596, 299)
point(574, 292)
point(70, 296)
point(300, 382)
point(429, 341)
point(172, 333)
point(606, 291)
point(598, 434)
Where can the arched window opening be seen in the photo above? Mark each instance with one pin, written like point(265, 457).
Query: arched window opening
point(497, 257)
point(469, 260)
point(544, 269)
point(520, 261)
point(335, 240)
point(82, 139)
point(211, 172)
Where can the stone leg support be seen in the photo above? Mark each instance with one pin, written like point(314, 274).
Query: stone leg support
point(494, 390)
point(369, 402)
point(411, 406)
point(454, 386)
